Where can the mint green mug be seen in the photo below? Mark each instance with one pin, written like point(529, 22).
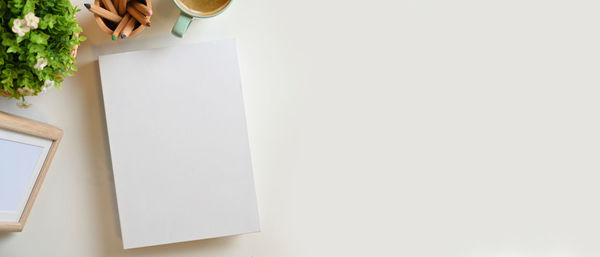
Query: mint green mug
point(191, 9)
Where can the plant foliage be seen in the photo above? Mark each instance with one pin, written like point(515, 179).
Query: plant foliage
point(56, 34)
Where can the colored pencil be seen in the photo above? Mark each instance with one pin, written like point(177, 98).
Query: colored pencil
point(138, 16)
point(122, 7)
point(145, 10)
point(121, 26)
point(109, 5)
point(128, 28)
point(116, 4)
point(103, 12)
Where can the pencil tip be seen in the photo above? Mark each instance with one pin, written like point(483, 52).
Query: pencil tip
point(87, 6)
point(114, 37)
point(123, 36)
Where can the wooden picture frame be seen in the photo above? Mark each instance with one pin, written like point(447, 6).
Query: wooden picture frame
point(20, 131)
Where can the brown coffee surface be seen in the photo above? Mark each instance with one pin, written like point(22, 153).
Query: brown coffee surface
point(204, 6)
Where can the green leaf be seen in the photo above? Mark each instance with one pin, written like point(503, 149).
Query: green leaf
point(53, 39)
point(47, 21)
point(39, 37)
point(19, 39)
point(13, 49)
point(29, 7)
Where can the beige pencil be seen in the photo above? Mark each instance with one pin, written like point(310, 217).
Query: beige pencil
point(121, 26)
point(122, 7)
point(109, 5)
point(116, 4)
point(145, 10)
point(138, 16)
point(128, 28)
point(103, 12)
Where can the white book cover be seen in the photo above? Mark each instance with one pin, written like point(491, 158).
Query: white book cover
point(179, 145)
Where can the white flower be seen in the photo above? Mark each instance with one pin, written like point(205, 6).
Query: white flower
point(47, 85)
point(20, 27)
point(23, 104)
point(41, 63)
point(25, 91)
point(32, 20)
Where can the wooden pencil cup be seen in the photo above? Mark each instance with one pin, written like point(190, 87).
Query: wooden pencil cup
point(109, 26)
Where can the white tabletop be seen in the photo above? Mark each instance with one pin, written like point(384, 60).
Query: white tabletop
point(389, 128)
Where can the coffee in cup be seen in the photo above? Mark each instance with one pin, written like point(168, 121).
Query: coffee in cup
point(196, 9)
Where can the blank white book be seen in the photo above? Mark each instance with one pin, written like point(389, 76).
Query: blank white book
point(179, 144)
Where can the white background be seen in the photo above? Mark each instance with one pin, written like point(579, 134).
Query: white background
point(387, 128)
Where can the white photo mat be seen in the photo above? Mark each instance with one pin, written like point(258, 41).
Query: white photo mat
point(21, 159)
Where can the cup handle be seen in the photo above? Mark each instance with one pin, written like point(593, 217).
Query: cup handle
point(183, 22)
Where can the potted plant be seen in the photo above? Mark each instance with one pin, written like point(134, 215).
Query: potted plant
point(38, 48)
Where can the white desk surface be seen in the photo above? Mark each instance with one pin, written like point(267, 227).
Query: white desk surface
point(405, 128)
